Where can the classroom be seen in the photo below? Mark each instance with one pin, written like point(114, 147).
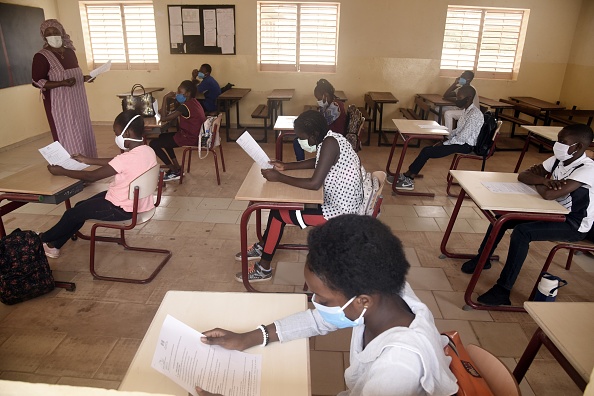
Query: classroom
point(90, 336)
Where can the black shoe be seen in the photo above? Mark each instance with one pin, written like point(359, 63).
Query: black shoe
point(497, 295)
point(469, 266)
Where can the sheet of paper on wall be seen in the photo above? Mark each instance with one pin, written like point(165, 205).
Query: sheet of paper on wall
point(175, 16)
point(227, 43)
point(191, 28)
point(100, 70)
point(182, 357)
point(225, 21)
point(176, 34)
point(253, 149)
point(191, 15)
point(56, 154)
point(509, 188)
point(210, 37)
point(210, 19)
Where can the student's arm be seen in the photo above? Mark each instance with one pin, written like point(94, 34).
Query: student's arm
point(306, 164)
point(239, 341)
point(88, 176)
point(92, 161)
point(164, 108)
point(328, 157)
point(450, 92)
point(547, 188)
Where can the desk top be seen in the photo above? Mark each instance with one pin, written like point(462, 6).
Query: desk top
point(411, 127)
point(569, 325)
point(139, 91)
point(470, 181)
point(494, 104)
point(36, 180)
point(281, 94)
point(284, 123)
point(234, 94)
point(340, 95)
point(534, 102)
point(285, 367)
point(256, 188)
point(436, 99)
point(383, 97)
point(547, 132)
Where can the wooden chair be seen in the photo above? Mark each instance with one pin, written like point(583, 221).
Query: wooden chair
point(143, 186)
point(215, 141)
point(376, 200)
point(458, 157)
point(500, 380)
point(515, 119)
point(354, 126)
point(567, 117)
point(420, 111)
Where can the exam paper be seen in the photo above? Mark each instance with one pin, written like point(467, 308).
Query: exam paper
point(253, 149)
point(56, 154)
point(182, 357)
point(509, 188)
point(101, 69)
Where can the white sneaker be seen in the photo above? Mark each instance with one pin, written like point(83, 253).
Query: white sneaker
point(51, 252)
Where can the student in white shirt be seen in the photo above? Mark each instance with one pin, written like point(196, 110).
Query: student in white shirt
point(356, 269)
point(461, 140)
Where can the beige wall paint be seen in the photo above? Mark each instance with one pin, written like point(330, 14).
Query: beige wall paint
point(578, 85)
point(386, 45)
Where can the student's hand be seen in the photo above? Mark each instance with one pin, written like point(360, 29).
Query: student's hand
point(202, 392)
point(69, 82)
point(278, 165)
point(271, 174)
point(554, 184)
point(227, 339)
point(55, 170)
point(169, 94)
point(80, 158)
point(537, 170)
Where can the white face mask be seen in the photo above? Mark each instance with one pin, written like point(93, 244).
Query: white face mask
point(120, 139)
point(560, 151)
point(304, 143)
point(54, 41)
point(322, 103)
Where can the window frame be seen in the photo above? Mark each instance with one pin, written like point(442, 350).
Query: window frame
point(483, 74)
point(297, 67)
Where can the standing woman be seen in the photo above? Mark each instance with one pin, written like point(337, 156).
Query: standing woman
point(56, 73)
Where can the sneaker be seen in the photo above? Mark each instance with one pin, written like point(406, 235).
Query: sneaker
point(469, 266)
point(497, 295)
point(254, 252)
point(51, 252)
point(255, 274)
point(171, 175)
point(390, 178)
point(406, 183)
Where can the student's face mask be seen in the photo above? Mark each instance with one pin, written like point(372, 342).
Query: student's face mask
point(120, 139)
point(304, 143)
point(323, 103)
point(200, 75)
point(180, 98)
point(54, 41)
point(560, 151)
point(336, 316)
point(462, 81)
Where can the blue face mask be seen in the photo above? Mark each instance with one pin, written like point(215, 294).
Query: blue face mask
point(462, 81)
point(336, 316)
point(200, 75)
point(180, 98)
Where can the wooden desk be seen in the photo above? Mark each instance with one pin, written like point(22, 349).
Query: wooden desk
point(566, 329)
point(138, 91)
point(543, 135)
point(226, 100)
point(263, 194)
point(285, 367)
point(284, 126)
point(495, 104)
point(542, 105)
point(498, 208)
point(408, 130)
point(379, 99)
point(340, 95)
point(438, 103)
point(275, 102)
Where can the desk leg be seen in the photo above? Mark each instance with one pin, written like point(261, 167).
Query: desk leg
point(381, 116)
point(524, 149)
point(439, 116)
point(391, 156)
point(279, 143)
point(237, 113)
point(407, 139)
point(228, 119)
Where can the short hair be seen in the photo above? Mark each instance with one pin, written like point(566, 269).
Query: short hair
point(467, 91)
point(324, 86)
point(356, 255)
point(469, 72)
point(189, 86)
point(207, 67)
point(581, 132)
point(137, 126)
point(313, 123)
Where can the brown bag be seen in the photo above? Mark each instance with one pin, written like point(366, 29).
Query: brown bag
point(142, 103)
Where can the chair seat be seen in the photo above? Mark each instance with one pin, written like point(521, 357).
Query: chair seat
point(140, 218)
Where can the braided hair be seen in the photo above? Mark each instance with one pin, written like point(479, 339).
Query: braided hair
point(190, 87)
point(312, 123)
point(323, 86)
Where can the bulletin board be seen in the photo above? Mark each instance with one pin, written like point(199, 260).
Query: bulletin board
point(202, 29)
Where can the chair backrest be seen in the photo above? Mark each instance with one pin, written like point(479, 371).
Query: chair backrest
point(376, 200)
point(500, 380)
point(353, 129)
point(424, 108)
point(215, 128)
point(147, 183)
point(492, 149)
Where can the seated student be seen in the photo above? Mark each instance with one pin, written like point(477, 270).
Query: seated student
point(356, 269)
point(191, 117)
point(113, 204)
point(461, 140)
point(451, 113)
point(337, 169)
point(331, 108)
point(571, 183)
point(208, 86)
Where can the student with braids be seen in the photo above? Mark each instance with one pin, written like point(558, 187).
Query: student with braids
point(331, 108)
point(191, 117)
point(337, 169)
point(357, 269)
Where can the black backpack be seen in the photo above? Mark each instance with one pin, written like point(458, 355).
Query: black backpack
point(485, 137)
point(24, 270)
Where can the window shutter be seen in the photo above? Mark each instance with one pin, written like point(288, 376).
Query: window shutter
point(461, 39)
point(500, 41)
point(141, 36)
point(106, 34)
point(318, 33)
point(278, 37)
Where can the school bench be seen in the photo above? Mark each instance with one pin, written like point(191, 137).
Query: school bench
point(566, 117)
point(515, 118)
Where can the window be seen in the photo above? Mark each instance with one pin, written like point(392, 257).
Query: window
point(298, 36)
point(121, 32)
point(487, 40)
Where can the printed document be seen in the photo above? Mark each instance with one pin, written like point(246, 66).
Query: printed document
point(100, 70)
point(56, 154)
point(253, 149)
point(183, 358)
point(509, 188)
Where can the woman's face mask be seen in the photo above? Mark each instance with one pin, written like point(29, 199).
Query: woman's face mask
point(336, 316)
point(120, 139)
point(54, 41)
point(304, 143)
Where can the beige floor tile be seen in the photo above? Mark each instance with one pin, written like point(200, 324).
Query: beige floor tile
point(159, 227)
point(395, 223)
point(238, 205)
point(164, 213)
point(29, 377)
point(25, 348)
point(289, 273)
point(501, 339)
point(327, 372)
point(430, 211)
point(547, 378)
point(420, 224)
point(479, 226)
point(411, 257)
point(466, 212)
point(584, 261)
point(215, 203)
point(190, 215)
point(35, 314)
point(118, 361)
point(510, 363)
point(89, 382)
point(428, 279)
point(189, 203)
point(463, 328)
point(223, 216)
point(451, 303)
point(461, 225)
point(399, 210)
point(339, 340)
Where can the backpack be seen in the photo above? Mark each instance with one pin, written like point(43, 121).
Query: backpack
point(205, 138)
point(24, 270)
point(484, 140)
point(370, 187)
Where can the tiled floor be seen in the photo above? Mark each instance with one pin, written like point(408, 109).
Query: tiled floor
point(90, 336)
